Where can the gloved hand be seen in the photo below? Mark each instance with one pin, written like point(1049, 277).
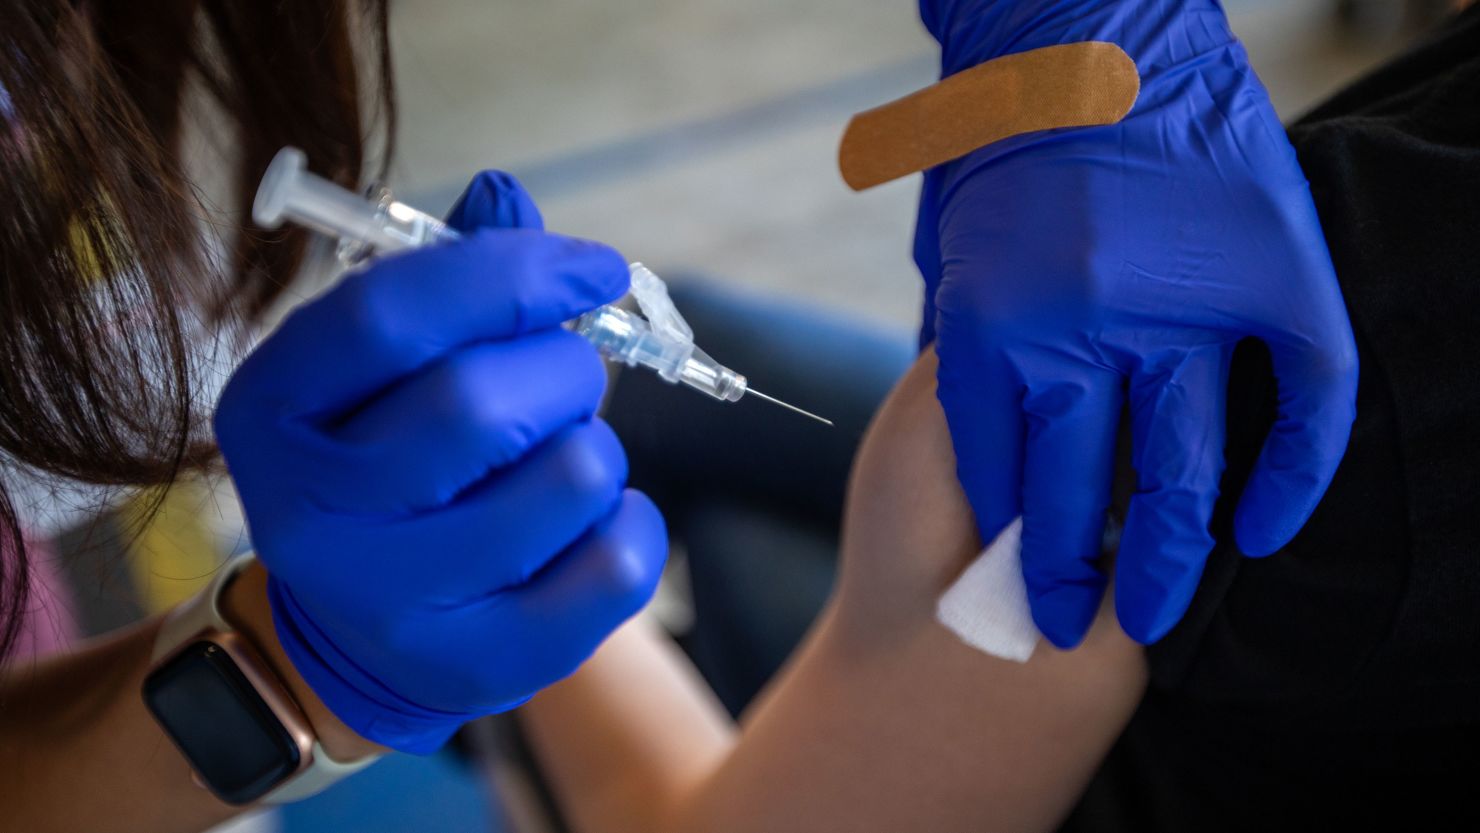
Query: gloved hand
point(442, 517)
point(1068, 269)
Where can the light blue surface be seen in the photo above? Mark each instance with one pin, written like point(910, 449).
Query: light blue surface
point(400, 794)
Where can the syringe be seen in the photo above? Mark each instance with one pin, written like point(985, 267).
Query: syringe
point(659, 339)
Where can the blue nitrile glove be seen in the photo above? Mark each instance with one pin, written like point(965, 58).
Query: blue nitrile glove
point(443, 518)
point(1068, 269)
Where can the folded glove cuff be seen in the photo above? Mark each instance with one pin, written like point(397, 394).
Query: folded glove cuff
point(355, 696)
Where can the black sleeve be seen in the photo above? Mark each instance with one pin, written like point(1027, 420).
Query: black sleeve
point(1377, 601)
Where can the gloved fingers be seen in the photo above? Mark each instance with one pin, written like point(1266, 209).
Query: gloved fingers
point(494, 199)
point(506, 528)
point(983, 406)
point(1317, 405)
point(497, 648)
point(482, 408)
point(1068, 469)
point(1177, 432)
point(409, 310)
point(595, 586)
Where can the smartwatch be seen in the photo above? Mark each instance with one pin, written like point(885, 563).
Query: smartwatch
point(228, 713)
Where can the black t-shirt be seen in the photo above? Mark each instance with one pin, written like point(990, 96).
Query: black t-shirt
point(1336, 685)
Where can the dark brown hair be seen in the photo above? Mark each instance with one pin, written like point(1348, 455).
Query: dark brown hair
point(108, 287)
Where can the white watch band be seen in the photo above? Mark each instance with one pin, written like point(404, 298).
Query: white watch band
point(203, 613)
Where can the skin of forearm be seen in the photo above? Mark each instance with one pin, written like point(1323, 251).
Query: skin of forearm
point(80, 753)
point(631, 737)
point(882, 721)
point(855, 736)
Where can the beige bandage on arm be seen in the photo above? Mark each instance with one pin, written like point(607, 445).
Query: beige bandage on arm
point(1073, 85)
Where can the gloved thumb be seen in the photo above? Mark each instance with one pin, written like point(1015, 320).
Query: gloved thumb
point(495, 199)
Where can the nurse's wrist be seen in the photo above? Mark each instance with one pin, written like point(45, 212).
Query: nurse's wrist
point(246, 606)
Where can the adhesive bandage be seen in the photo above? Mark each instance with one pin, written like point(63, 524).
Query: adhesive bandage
point(1070, 85)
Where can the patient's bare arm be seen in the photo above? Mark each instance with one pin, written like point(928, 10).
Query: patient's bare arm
point(883, 720)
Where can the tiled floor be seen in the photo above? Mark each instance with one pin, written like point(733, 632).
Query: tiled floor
point(700, 135)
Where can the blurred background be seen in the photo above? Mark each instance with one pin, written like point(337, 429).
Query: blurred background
point(700, 137)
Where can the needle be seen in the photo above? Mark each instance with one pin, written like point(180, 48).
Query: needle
point(776, 401)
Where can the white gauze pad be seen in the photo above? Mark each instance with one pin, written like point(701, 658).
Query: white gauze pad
point(987, 607)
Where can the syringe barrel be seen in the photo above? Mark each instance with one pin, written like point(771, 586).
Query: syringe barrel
point(289, 191)
point(362, 226)
point(399, 226)
point(705, 374)
point(627, 338)
point(621, 336)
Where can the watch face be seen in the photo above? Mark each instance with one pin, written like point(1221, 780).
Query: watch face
point(237, 745)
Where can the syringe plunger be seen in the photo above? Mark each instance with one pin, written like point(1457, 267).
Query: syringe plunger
point(289, 191)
